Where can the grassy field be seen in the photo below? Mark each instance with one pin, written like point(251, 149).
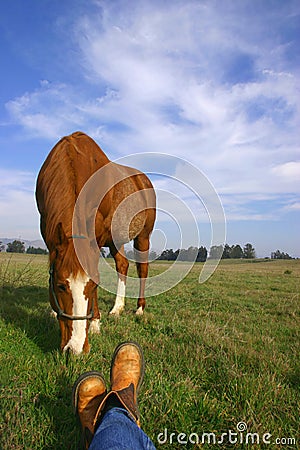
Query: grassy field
point(218, 354)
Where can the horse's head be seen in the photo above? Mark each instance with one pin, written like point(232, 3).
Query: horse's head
point(73, 296)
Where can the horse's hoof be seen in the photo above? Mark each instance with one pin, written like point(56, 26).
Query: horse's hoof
point(95, 326)
point(115, 312)
point(139, 311)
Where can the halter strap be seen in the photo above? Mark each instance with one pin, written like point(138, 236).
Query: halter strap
point(77, 236)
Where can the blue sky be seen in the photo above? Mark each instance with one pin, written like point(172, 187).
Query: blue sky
point(215, 83)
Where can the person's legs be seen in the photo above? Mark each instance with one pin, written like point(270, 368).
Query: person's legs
point(118, 431)
point(115, 421)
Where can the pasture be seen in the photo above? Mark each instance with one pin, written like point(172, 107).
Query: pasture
point(217, 354)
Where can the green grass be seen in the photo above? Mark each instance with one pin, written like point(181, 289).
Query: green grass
point(217, 354)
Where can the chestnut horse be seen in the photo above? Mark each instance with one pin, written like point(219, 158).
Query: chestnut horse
point(70, 165)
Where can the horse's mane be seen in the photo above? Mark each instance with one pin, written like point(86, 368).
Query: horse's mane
point(59, 203)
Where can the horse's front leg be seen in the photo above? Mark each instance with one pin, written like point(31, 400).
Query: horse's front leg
point(141, 245)
point(95, 322)
point(122, 269)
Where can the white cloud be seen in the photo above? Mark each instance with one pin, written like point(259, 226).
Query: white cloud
point(165, 67)
point(15, 178)
point(293, 207)
point(18, 212)
point(289, 171)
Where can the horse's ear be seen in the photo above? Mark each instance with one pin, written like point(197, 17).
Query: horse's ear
point(60, 235)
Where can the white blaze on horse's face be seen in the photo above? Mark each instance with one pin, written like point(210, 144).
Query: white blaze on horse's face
point(79, 308)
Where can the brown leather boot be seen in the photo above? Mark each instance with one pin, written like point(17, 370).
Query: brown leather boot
point(88, 392)
point(126, 376)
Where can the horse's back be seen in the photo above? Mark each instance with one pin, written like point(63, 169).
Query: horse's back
point(66, 170)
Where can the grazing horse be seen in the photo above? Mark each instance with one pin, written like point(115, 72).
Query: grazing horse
point(73, 161)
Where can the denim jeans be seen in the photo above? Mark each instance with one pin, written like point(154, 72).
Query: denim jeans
point(118, 431)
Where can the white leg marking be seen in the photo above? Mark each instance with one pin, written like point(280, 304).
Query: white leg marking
point(80, 303)
point(139, 311)
point(95, 326)
point(120, 299)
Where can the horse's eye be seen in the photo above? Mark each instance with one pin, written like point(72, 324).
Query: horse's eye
point(62, 287)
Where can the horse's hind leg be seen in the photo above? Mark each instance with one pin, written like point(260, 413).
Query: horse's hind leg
point(122, 268)
point(141, 244)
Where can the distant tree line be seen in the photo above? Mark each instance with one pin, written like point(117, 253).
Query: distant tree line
point(280, 255)
point(191, 254)
point(36, 251)
point(19, 247)
point(15, 247)
point(237, 252)
point(216, 251)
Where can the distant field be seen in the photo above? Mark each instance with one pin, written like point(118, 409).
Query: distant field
point(218, 354)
